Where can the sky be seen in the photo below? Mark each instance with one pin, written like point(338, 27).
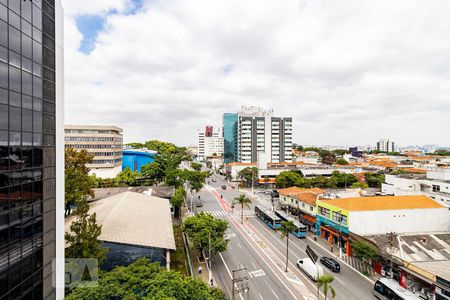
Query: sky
point(347, 72)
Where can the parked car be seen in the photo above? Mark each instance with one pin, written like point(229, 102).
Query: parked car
point(330, 264)
point(224, 187)
point(275, 194)
point(312, 270)
point(213, 180)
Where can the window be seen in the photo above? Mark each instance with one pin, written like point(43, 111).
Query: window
point(324, 211)
point(436, 188)
point(14, 19)
point(26, 27)
point(37, 17)
point(14, 79)
point(14, 39)
point(3, 75)
point(15, 118)
point(27, 120)
point(3, 54)
point(339, 218)
point(27, 86)
point(26, 46)
point(3, 33)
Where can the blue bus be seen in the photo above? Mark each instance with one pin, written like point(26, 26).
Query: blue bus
point(267, 216)
point(300, 229)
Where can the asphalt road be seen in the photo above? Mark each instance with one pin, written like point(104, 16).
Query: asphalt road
point(261, 251)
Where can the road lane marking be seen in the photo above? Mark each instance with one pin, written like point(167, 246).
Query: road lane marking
point(253, 264)
point(260, 296)
point(295, 268)
point(257, 273)
point(276, 296)
point(351, 267)
point(239, 244)
point(228, 270)
point(339, 280)
point(274, 271)
point(240, 229)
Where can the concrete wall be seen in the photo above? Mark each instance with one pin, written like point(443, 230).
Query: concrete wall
point(106, 172)
point(399, 221)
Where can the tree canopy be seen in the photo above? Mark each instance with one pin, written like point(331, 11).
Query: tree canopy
point(292, 178)
point(248, 174)
point(374, 179)
point(76, 176)
point(127, 177)
point(341, 161)
point(196, 166)
point(198, 227)
point(364, 251)
point(145, 280)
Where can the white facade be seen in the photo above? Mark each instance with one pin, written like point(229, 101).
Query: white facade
point(209, 145)
point(307, 171)
point(436, 189)
point(386, 145)
point(260, 131)
point(374, 222)
point(106, 172)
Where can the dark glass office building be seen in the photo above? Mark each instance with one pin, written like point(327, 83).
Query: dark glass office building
point(27, 148)
point(230, 137)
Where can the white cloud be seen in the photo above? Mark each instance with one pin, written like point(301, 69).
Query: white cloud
point(348, 72)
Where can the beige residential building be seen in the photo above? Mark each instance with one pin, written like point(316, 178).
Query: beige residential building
point(104, 142)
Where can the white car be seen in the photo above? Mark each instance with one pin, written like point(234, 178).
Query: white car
point(313, 270)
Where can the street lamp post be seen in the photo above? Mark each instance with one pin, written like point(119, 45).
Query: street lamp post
point(340, 228)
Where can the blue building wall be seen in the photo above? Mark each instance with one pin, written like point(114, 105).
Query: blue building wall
point(136, 159)
point(230, 142)
point(324, 221)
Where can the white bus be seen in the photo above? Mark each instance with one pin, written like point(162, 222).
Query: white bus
point(389, 289)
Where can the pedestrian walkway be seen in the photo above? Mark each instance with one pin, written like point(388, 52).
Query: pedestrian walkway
point(222, 213)
point(359, 265)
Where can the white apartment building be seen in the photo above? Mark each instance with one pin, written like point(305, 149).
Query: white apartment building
point(210, 143)
point(386, 145)
point(435, 184)
point(260, 133)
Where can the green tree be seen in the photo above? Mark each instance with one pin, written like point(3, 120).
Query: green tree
point(287, 179)
point(374, 180)
point(340, 151)
point(196, 180)
point(327, 157)
point(145, 280)
point(198, 228)
point(285, 229)
point(248, 175)
point(196, 166)
point(135, 145)
point(82, 239)
point(364, 251)
point(127, 177)
point(242, 200)
point(153, 172)
point(77, 181)
point(361, 185)
point(324, 282)
point(177, 200)
point(343, 179)
point(341, 161)
point(442, 152)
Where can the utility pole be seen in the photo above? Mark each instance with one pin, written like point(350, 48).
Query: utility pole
point(209, 256)
point(239, 284)
point(391, 237)
point(253, 180)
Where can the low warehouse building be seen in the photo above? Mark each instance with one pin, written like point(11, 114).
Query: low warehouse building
point(134, 225)
point(368, 216)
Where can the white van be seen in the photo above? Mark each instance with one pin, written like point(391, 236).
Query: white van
point(314, 271)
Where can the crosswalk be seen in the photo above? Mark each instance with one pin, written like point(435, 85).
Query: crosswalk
point(222, 213)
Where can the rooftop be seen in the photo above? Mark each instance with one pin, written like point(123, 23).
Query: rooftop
point(93, 127)
point(305, 195)
point(134, 219)
point(384, 203)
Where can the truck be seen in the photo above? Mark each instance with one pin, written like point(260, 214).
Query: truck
point(311, 269)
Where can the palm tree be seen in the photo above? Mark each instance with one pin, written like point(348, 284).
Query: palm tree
point(242, 200)
point(286, 228)
point(325, 282)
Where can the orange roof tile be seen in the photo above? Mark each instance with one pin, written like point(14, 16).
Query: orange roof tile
point(414, 170)
point(241, 164)
point(262, 180)
point(384, 203)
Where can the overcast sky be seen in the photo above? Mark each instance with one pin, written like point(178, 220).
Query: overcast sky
point(348, 72)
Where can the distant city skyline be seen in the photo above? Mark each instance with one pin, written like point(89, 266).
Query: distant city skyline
point(346, 72)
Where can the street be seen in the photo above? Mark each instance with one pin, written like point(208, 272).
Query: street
point(261, 250)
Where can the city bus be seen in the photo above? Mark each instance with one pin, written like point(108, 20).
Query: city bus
point(300, 229)
point(387, 289)
point(267, 217)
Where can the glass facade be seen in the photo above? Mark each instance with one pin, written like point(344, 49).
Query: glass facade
point(27, 148)
point(230, 142)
